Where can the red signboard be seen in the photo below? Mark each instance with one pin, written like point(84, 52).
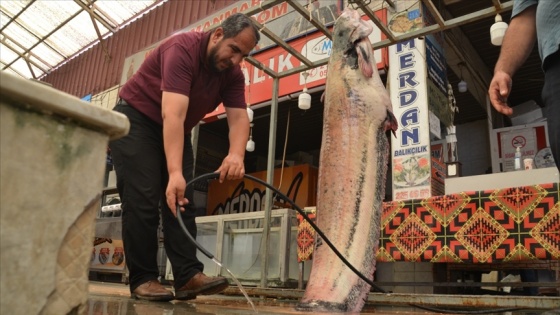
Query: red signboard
point(315, 47)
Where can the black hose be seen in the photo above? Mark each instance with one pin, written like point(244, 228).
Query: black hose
point(191, 238)
point(298, 209)
point(209, 176)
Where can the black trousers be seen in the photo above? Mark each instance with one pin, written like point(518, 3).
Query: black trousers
point(551, 99)
point(141, 169)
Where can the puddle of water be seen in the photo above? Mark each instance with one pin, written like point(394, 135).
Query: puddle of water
point(238, 285)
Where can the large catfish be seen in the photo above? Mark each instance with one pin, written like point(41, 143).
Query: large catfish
point(352, 170)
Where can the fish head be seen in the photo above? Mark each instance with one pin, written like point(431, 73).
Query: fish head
point(351, 42)
point(349, 30)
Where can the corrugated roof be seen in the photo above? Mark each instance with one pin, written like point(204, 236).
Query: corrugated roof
point(37, 36)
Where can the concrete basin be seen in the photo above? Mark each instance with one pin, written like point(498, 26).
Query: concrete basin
point(52, 162)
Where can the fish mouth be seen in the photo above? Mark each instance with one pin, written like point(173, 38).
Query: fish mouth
point(351, 48)
point(360, 30)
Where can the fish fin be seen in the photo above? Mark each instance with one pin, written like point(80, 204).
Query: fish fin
point(364, 60)
point(391, 123)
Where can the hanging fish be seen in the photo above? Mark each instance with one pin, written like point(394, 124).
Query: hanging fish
point(352, 170)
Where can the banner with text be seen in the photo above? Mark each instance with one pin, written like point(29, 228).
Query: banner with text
point(411, 158)
point(314, 46)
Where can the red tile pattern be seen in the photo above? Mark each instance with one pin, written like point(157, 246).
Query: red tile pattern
point(513, 224)
point(305, 236)
point(519, 223)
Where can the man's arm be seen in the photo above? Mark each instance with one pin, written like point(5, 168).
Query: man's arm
point(518, 43)
point(174, 111)
point(232, 166)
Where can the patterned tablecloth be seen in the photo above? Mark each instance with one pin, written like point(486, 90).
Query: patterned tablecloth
point(512, 224)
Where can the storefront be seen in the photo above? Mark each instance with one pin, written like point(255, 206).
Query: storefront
point(426, 192)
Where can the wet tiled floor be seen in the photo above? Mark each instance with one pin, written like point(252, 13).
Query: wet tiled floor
point(114, 299)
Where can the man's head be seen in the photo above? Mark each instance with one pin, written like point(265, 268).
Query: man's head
point(232, 41)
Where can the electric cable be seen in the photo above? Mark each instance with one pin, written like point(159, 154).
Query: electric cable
point(210, 176)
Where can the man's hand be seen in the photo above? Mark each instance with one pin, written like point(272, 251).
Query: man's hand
point(175, 192)
point(499, 90)
point(232, 167)
point(518, 43)
point(174, 108)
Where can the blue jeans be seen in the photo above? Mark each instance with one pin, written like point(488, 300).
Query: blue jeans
point(551, 99)
point(141, 169)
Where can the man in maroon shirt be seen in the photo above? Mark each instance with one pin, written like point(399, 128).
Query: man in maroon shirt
point(183, 79)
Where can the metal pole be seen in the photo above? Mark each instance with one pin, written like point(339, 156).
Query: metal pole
point(270, 180)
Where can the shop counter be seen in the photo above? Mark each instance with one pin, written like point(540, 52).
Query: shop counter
point(481, 226)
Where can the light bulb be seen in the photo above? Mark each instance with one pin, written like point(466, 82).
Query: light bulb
point(250, 114)
point(497, 31)
point(462, 86)
point(250, 145)
point(304, 100)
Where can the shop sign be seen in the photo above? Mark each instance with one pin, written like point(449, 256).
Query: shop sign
point(532, 140)
point(315, 47)
point(411, 148)
point(436, 64)
point(438, 103)
point(272, 17)
point(240, 6)
point(299, 183)
point(525, 139)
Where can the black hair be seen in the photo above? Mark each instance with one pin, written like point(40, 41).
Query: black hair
point(236, 23)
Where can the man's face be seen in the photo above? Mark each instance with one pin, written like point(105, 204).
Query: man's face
point(225, 53)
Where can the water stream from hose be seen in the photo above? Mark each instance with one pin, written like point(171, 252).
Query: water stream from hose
point(238, 284)
point(211, 256)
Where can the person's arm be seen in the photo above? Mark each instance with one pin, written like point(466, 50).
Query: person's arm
point(174, 111)
point(232, 166)
point(518, 43)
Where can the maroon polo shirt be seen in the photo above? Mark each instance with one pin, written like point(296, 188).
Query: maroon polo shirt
point(179, 65)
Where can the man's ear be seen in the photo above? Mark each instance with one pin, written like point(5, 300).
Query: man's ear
point(217, 35)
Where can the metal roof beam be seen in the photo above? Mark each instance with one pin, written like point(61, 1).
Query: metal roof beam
point(434, 11)
point(14, 70)
point(497, 4)
point(107, 17)
point(280, 42)
point(24, 57)
point(441, 26)
point(261, 66)
point(302, 68)
point(27, 62)
point(17, 15)
point(101, 41)
point(391, 3)
point(30, 68)
point(376, 20)
point(462, 20)
point(303, 11)
point(6, 37)
point(42, 40)
point(264, 5)
point(96, 16)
